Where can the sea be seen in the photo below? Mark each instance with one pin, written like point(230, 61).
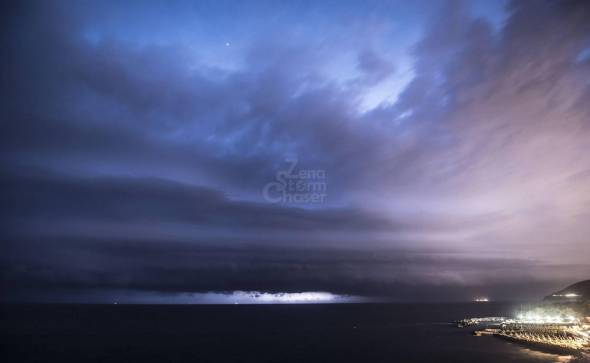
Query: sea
point(360, 333)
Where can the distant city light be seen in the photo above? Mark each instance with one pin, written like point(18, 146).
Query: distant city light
point(481, 299)
point(569, 295)
point(536, 318)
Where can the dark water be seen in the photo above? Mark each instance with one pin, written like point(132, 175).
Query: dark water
point(254, 333)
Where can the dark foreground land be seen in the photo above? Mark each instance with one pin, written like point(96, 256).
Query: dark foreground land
point(254, 333)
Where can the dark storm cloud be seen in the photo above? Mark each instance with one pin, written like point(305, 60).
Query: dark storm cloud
point(236, 127)
point(186, 267)
point(150, 200)
point(136, 135)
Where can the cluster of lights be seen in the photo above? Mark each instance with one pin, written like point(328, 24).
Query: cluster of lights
point(482, 299)
point(532, 318)
point(570, 295)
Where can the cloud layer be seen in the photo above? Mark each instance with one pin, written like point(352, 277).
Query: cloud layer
point(455, 148)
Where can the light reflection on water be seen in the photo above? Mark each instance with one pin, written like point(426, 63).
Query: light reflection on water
point(549, 357)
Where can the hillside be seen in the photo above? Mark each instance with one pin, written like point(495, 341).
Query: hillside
point(578, 292)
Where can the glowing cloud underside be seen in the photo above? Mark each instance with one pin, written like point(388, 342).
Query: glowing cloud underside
point(256, 297)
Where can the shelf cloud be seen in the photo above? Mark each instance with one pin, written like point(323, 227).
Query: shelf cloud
point(137, 148)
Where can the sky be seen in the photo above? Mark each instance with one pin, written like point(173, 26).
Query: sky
point(275, 151)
